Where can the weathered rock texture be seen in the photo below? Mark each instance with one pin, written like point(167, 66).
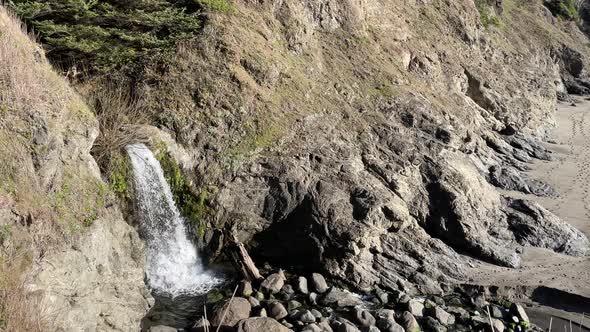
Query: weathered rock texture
point(364, 139)
point(75, 255)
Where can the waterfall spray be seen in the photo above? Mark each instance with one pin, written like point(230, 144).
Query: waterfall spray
point(173, 264)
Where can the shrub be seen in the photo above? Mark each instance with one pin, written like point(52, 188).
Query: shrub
point(98, 36)
point(487, 14)
point(564, 9)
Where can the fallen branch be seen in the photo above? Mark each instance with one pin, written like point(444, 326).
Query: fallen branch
point(240, 258)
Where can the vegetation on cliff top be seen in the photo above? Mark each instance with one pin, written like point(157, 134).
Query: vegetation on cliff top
point(100, 35)
point(564, 9)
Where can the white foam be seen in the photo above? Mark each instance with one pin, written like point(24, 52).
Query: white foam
point(173, 264)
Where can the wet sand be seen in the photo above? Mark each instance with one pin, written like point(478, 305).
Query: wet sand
point(569, 174)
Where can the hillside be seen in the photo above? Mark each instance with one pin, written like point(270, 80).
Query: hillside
point(376, 142)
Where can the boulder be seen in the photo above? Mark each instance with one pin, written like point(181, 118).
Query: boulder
point(307, 317)
point(415, 308)
point(273, 283)
point(389, 325)
point(245, 288)
point(319, 283)
point(302, 285)
point(518, 310)
point(162, 328)
point(340, 298)
point(237, 308)
point(441, 315)
point(431, 324)
point(385, 314)
point(409, 322)
point(277, 310)
point(364, 317)
point(347, 327)
point(260, 324)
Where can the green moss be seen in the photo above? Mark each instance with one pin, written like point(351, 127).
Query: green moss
point(192, 204)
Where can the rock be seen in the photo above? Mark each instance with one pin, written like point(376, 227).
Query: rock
point(498, 325)
point(161, 328)
point(496, 312)
point(288, 289)
point(302, 285)
point(340, 298)
point(292, 305)
point(372, 329)
point(325, 326)
point(254, 302)
point(273, 283)
point(260, 324)
point(382, 296)
point(415, 308)
point(519, 312)
point(316, 313)
point(509, 178)
point(312, 328)
point(201, 323)
point(259, 296)
point(347, 327)
point(389, 325)
point(237, 308)
point(536, 226)
point(259, 312)
point(441, 315)
point(409, 322)
point(461, 313)
point(313, 297)
point(277, 310)
point(385, 314)
point(364, 317)
point(319, 283)
point(307, 317)
point(431, 324)
point(245, 288)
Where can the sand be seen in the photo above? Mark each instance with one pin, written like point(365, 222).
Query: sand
point(569, 174)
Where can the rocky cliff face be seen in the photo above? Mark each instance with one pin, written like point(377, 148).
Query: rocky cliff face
point(68, 260)
point(366, 138)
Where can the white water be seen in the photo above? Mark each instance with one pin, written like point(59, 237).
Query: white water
point(173, 264)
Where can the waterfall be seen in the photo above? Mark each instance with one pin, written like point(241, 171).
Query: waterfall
point(173, 264)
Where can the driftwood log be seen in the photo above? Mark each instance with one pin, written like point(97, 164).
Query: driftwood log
point(240, 258)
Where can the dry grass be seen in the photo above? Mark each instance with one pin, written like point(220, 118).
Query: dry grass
point(120, 117)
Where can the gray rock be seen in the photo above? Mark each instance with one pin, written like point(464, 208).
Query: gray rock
point(415, 308)
point(519, 311)
point(431, 324)
point(236, 309)
point(409, 322)
point(254, 302)
point(161, 328)
point(312, 328)
point(382, 296)
point(536, 226)
point(509, 178)
point(302, 285)
point(316, 313)
point(385, 314)
point(245, 288)
point(340, 298)
point(259, 324)
point(313, 297)
point(292, 305)
point(259, 312)
point(389, 325)
point(441, 315)
point(496, 312)
point(363, 317)
point(319, 283)
point(273, 283)
point(288, 289)
point(347, 327)
point(277, 310)
point(324, 324)
point(459, 312)
point(498, 325)
point(307, 317)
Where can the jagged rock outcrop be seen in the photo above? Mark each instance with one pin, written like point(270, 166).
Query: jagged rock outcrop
point(80, 263)
point(359, 138)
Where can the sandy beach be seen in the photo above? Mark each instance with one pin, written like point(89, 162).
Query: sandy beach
point(561, 283)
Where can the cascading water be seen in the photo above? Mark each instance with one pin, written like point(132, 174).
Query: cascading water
point(173, 268)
